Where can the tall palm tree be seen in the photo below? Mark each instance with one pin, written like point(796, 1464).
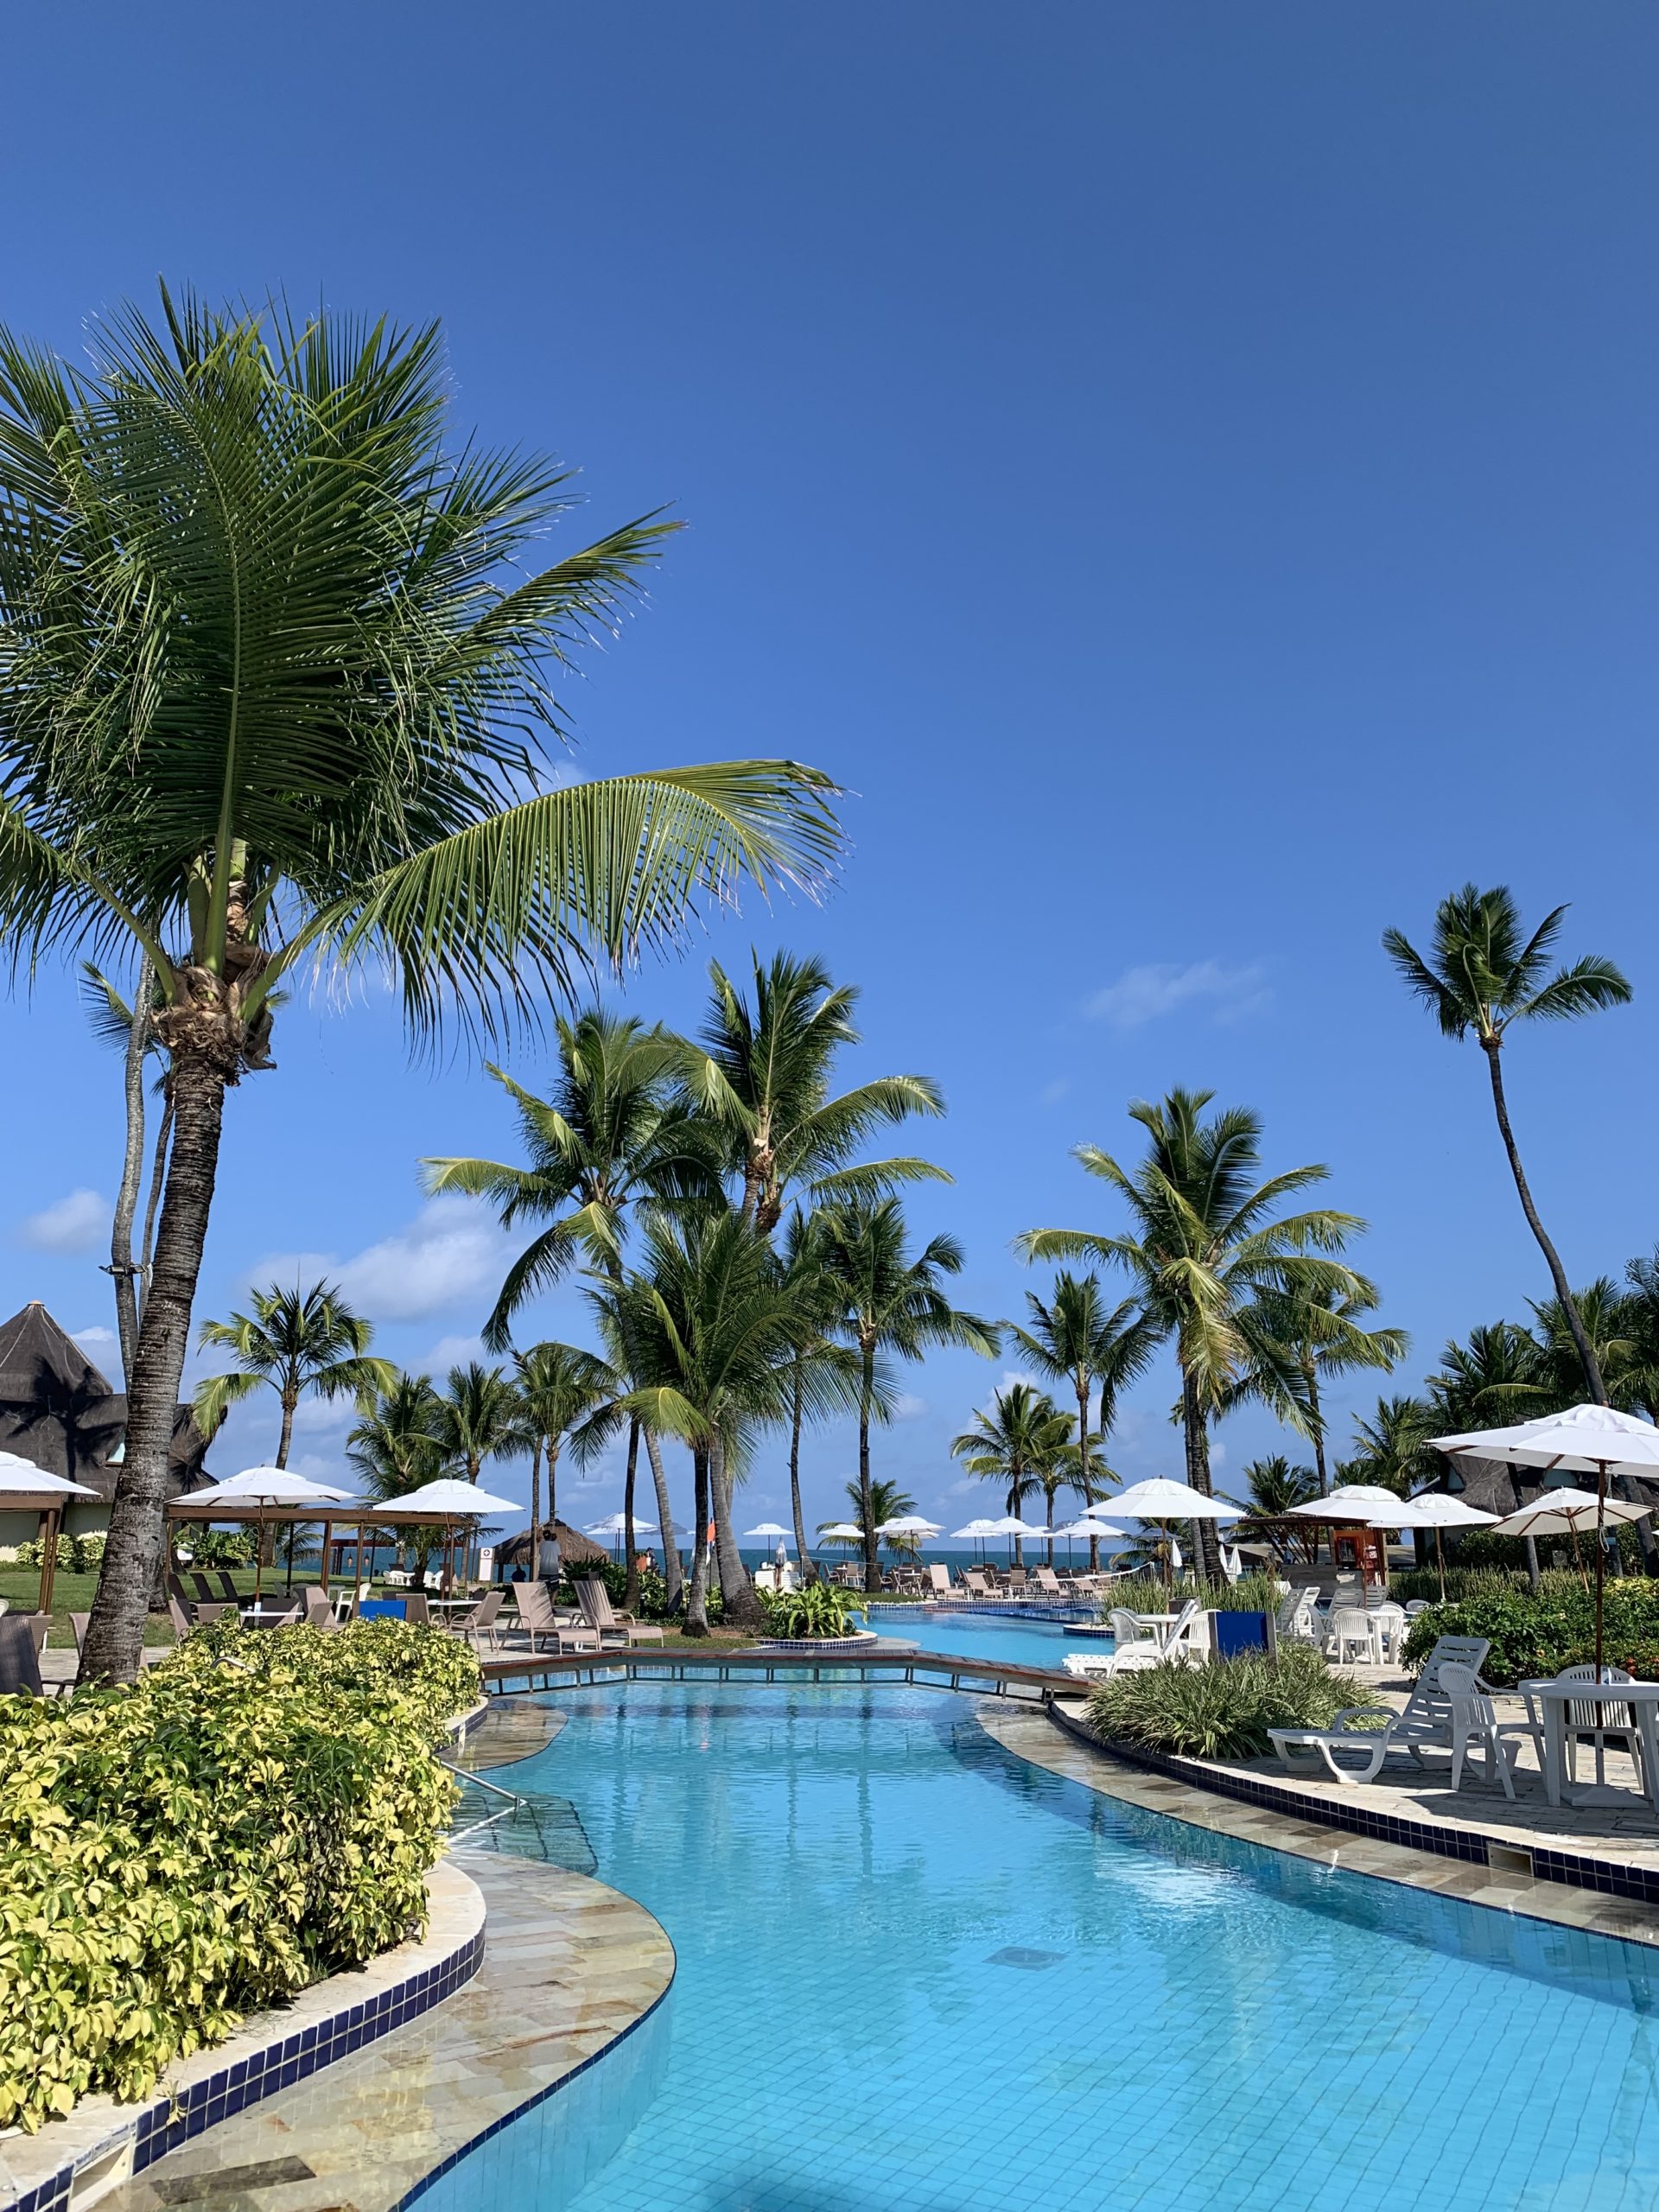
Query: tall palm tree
point(763, 1077)
point(1392, 1447)
point(713, 1330)
point(296, 1343)
point(394, 1449)
point(480, 1417)
point(269, 706)
point(888, 1303)
point(1482, 978)
point(1079, 1339)
point(611, 1140)
point(814, 1289)
point(889, 1501)
point(560, 1388)
point(1322, 1332)
point(1020, 1442)
point(1274, 1485)
point(1207, 1241)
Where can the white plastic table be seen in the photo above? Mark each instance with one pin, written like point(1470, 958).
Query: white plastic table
point(1553, 1697)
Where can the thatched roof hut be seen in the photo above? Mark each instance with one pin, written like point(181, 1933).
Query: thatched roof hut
point(57, 1409)
point(575, 1548)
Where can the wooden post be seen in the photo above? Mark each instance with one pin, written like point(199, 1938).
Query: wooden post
point(48, 1533)
point(327, 1531)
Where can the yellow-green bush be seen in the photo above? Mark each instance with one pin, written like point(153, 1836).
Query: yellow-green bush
point(256, 1812)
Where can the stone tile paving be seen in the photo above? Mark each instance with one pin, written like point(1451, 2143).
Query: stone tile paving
point(569, 1967)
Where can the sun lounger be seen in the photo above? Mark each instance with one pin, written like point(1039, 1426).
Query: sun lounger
point(541, 1624)
point(939, 1581)
point(1352, 1751)
point(1136, 1645)
point(20, 1657)
point(481, 1620)
point(604, 1619)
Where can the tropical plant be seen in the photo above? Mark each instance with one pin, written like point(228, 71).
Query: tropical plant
point(1223, 1711)
point(817, 1609)
point(890, 1303)
point(712, 1331)
point(763, 1078)
point(270, 707)
point(1532, 1635)
point(610, 1139)
point(211, 1841)
point(1079, 1339)
point(394, 1449)
point(479, 1417)
point(1273, 1485)
point(1321, 1330)
point(297, 1343)
point(1482, 978)
point(1017, 1441)
point(814, 1289)
point(1392, 1449)
point(560, 1388)
point(1206, 1243)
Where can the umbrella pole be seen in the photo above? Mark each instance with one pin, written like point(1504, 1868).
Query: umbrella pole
point(1601, 1554)
point(258, 1553)
point(49, 1523)
point(1440, 1554)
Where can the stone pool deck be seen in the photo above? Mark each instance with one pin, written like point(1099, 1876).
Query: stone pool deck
point(1188, 1791)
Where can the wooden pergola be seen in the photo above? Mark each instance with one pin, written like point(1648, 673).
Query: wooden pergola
point(348, 1513)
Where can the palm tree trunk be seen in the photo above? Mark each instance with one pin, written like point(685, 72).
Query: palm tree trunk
point(696, 1603)
point(1048, 1517)
point(1557, 1273)
point(743, 1608)
point(1196, 1429)
point(534, 1561)
point(287, 1436)
point(866, 1497)
point(631, 1594)
point(795, 1475)
point(1086, 1481)
point(137, 1531)
point(122, 1271)
point(1312, 1374)
point(158, 1183)
point(672, 1577)
point(552, 1479)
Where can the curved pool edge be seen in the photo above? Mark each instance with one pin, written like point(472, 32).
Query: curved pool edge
point(1058, 1741)
point(572, 1970)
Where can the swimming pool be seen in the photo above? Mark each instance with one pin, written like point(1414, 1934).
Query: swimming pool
point(918, 1974)
point(1020, 1643)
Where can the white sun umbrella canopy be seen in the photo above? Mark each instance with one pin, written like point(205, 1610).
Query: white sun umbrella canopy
point(908, 1524)
point(766, 1529)
point(842, 1528)
point(447, 1499)
point(1564, 1513)
point(22, 1478)
point(268, 1486)
point(1368, 1503)
point(1159, 1499)
point(1435, 1509)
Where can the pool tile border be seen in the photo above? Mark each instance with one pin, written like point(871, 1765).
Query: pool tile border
point(119, 2141)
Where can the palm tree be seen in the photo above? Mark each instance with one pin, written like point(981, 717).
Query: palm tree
point(1392, 1449)
point(1205, 1244)
point(1078, 1339)
point(1321, 1331)
point(764, 1079)
point(395, 1449)
point(294, 1341)
point(1274, 1485)
point(480, 1417)
point(1020, 1442)
point(270, 707)
point(1482, 979)
point(712, 1331)
point(560, 1388)
point(609, 1139)
point(814, 1289)
point(889, 1501)
point(888, 1303)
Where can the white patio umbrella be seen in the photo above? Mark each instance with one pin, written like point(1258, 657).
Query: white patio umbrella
point(448, 1501)
point(24, 1483)
point(1367, 1503)
point(262, 1487)
point(1082, 1531)
point(1435, 1509)
point(908, 1531)
point(766, 1529)
point(1011, 1525)
point(1160, 1499)
point(975, 1533)
point(1585, 1440)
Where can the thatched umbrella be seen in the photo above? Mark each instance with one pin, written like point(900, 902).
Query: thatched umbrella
point(574, 1548)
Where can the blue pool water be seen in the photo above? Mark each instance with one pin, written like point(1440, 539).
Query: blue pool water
point(918, 1974)
point(985, 1636)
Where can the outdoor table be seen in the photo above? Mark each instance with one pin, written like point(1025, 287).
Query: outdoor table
point(449, 1604)
point(1553, 1697)
point(268, 1616)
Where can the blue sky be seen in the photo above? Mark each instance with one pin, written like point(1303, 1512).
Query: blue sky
point(1190, 470)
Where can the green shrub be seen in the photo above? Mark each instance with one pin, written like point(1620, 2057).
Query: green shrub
point(1460, 1582)
point(821, 1609)
point(1539, 1636)
point(219, 1547)
point(254, 1813)
point(1223, 1710)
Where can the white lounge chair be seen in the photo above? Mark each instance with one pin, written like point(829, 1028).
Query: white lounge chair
point(1425, 1721)
point(1136, 1645)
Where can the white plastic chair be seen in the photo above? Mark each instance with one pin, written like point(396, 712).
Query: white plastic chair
point(1350, 1629)
point(1592, 1722)
point(1475, 1723)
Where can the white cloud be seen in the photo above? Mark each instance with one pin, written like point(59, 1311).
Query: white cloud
point(73, 1224)
point(908, 1407)
point(323, 1416)
point(452, 1250)
point(1141, 995)
point(450, 1351)
point(95, 1339)
point(1051, 1093)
